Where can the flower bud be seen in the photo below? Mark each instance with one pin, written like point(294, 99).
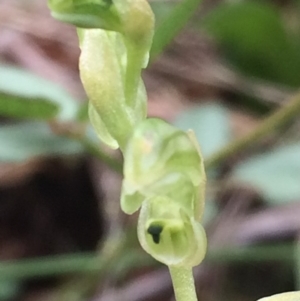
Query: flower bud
point(132, 18)
point(102, 71)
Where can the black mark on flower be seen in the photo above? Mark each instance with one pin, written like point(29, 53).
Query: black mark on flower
point(155, 230)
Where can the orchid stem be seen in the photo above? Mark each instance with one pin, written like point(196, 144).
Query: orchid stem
point(183, 283)
point(271, 123)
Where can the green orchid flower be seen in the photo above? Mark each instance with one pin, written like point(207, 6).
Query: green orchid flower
point(163, 166)
point(160, 159)
point(170, 234)
point(164, 175)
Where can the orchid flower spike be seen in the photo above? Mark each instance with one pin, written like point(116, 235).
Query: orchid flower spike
point(164, 175)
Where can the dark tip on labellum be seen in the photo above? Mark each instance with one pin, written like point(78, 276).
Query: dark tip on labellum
point(155, 231)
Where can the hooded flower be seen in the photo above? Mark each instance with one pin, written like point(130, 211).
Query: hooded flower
point(164, 175)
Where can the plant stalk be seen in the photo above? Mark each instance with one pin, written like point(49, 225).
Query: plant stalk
point(183, 283)
point(274, 121)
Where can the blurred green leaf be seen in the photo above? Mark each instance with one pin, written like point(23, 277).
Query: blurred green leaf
point(172, 24)
point(49, 266)
point(161, 9)
point(83, 112)
point(211, 125)
point(27, 140)
point(35, 108)
point(255, 40)
point(211, 209)
point(86, 14)
point(9, 289)
point(275, 174)
point(267, 253)
point(90, 263)
point(30, 96)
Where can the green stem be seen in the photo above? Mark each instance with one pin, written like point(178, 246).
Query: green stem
point(50, 266)
point(274, 121)
point(90, 263)
point(183, 283)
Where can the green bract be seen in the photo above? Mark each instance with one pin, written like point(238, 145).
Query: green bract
point(133, 18)
point(164, 174)
point(86, 13)
point(291, 296)
point(102, 71)
point(115, 39)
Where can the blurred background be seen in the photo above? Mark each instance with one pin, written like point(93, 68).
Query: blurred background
point(220, 67)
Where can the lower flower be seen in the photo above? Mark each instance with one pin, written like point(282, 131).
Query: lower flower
point(169, 234)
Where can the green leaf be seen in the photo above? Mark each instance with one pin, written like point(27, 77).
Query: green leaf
point(46, 266)
point(211, 208)
point(35, 108)
point(9, 289)
point(255, 40)
point(211, 125)
point(161, 9)
point(275, 174)
point(173, 23)
point(83, 112)
point(23, 94)
point(27, 140)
